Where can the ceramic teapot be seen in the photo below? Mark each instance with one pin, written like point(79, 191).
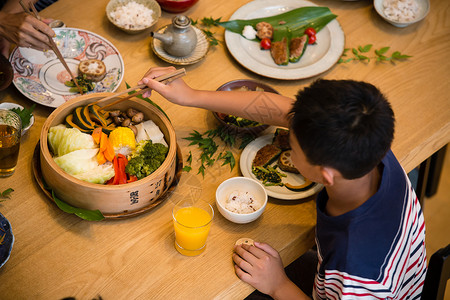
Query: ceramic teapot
point(179, 39)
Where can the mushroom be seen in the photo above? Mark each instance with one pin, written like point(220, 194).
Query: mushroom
point(118, 120)
point(133, 128)
point(114, 113)
point(138, 118)
point(126, 122)
point(131, 112)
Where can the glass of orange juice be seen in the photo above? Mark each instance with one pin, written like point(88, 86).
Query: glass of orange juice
point(191, 221)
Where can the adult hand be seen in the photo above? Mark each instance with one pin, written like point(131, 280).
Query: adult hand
point(176, 91)
point(25, 30)
point(261, 267)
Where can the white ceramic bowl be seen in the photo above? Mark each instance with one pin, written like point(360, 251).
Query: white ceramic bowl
point(8, 105)
point(242, 184)
point(423, 9)
point(151, 4)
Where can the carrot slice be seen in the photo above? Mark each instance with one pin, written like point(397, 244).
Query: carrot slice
point(103, 141)
point(109, 151)
point(96, 135)
point(101, 159)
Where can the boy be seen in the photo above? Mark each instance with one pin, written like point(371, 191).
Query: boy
point(370, 231)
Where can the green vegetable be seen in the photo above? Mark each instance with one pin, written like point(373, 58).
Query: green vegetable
point(85, 84)
point(360, 54)
point(24, 114)
point(147, 159)
point(297, 48)
point(294, 21)
point(268, 175)
point(64, 140)
point(83, 165)
point(241, 122)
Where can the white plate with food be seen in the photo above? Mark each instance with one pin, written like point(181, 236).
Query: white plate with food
point(9, 106)
point(316, 59)
point(41, 77)
point(279, 192)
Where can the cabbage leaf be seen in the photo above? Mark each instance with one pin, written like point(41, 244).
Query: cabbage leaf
point(83, 165)
point(63, 140)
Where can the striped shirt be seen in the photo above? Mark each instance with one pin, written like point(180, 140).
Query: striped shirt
point(376, 251)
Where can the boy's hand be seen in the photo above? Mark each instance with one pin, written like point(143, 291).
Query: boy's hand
point(176, 91)
point(261, 267)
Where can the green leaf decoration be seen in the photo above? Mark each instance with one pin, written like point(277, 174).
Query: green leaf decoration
point(90, 215)
point(294, 21)
point(24, 114)
point(382, 50)
point(379, 55)
point(398, 55)
point(7, 193)
point(365, 49)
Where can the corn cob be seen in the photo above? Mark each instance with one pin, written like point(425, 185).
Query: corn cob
point(122, 137)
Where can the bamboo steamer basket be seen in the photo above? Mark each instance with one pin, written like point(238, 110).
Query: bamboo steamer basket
point(109, 199)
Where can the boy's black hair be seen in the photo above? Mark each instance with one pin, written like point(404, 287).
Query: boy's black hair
point(344, 124)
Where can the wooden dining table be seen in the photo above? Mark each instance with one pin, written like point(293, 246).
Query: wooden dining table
point(57, 255)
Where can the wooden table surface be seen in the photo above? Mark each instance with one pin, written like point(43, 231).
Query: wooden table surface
point(58, 255)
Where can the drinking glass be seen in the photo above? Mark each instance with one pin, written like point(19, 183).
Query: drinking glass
point(10, 133)
point(192, 221)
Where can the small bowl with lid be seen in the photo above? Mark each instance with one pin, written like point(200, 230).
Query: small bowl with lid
point(402, 13)
point(133, 16)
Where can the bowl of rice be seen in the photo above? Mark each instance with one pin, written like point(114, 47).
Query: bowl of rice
point(241, 200)
point(133, 16)
point(402, 13)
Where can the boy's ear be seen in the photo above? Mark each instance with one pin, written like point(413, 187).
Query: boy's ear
point(328, 175)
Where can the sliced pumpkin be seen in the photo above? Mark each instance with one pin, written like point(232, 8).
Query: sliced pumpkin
point(70, 123)
point(107, 129)
point(96, 116)
point(299, 188)
point(80, 121)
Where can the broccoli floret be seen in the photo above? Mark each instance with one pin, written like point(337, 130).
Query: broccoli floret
point(136, 166)
point(147, 160)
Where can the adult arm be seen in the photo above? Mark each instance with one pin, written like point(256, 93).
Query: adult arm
point(22, 29)
point(268, 108)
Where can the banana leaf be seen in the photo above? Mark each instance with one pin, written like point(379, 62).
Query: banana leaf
point(294, 22)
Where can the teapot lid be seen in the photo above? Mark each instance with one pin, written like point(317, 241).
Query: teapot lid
point(181, 21)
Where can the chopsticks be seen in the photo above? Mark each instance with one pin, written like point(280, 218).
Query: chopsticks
point(166, 78)
point(32, 11)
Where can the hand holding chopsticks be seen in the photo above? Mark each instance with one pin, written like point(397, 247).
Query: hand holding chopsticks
point(30, 9)
point(166, 78)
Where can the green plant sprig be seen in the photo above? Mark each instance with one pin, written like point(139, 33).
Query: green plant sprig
point(205, 25)
point(360, 54)
point(208, 146)
point(6, 194)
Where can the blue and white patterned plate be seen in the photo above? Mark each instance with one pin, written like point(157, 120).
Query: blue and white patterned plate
point(6, 240)
point(40, 76)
